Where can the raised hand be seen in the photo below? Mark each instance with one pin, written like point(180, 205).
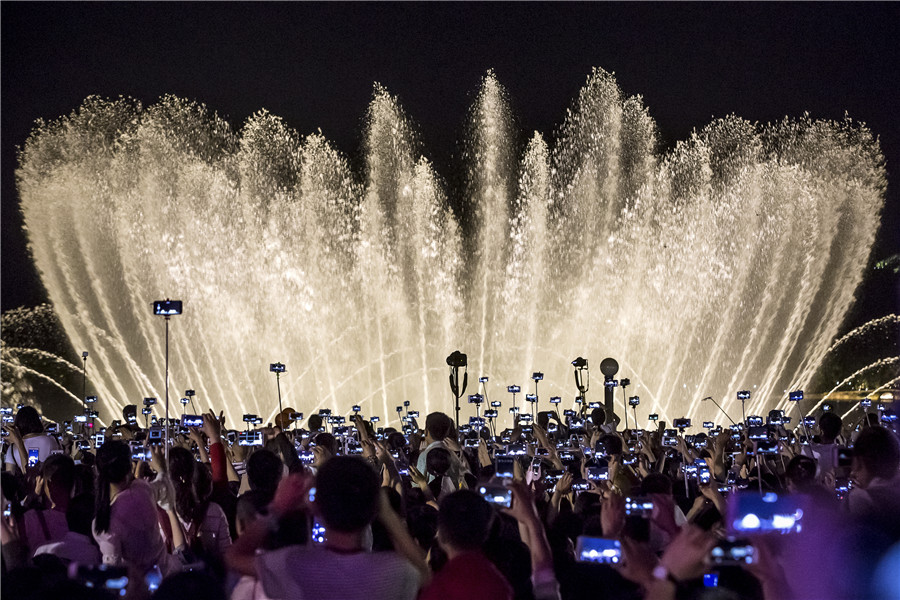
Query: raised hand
point(484, 457)
point(612, 516)
point(292, 494)
point(418, 478)
point(212, 426)
point(564, 485)
point(685, 557)
point(523, 509)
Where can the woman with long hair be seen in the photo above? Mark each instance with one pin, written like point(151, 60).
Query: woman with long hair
point(203, 520)
point(126, 526)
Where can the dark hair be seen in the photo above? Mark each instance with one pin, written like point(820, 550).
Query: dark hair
point(395, 441)
point(437, 461)
point(438, 425)
point(28, 421)
point(830, 424)
point(264, 471)
point(80, 514)
point(181, 472)
point(59, 471)
point(598, 416)
point(327, 441)
point(113, 466)
point(251, 505)
point(878, 449)
point(284, 449)
point(347, 493)
point(656, 483)
point(612, 443)
point(314, 422)
point(801, 471)
point(464, 520)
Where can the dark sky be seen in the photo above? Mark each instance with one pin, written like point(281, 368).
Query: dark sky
point(314, 65)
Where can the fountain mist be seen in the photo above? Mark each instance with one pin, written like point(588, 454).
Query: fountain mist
point(726, 263)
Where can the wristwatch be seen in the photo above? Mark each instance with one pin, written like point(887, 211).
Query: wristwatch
point(661, 573)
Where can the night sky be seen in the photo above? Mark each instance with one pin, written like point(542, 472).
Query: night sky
point(315, 65)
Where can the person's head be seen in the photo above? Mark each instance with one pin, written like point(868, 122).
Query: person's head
point(113, 468)
point(876, 454)
point(80, 514)
point(437, 427)
point(830, 426)
point(396, 441)
point(129, 413)
point(264, 471)
point(612, 443)
point(28, 421)
point(328, 442)
point(656, 483)
point(58, 477)
point(543, 419)
point(598, 417)
point(250, 506)
point(347, 494)
point(314, 423)
point(464, 521)
point(437, 461)
point(800, 473)
point(284, 449)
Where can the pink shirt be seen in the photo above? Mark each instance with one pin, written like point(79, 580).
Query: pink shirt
point(133, 538)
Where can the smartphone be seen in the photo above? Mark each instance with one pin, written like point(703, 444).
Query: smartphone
point(748, 512)
point(598, 473)
point(167, 307)
point(639, 506)
point(104, 577)
point(733, 552)
point(496, 494)
point(760, 432)
point(767, 447)
point(516, 449)
point(504, 466)
point(754, 421)
point(191, 420)
point(598, 550)
point(33, 454)
point(250, 438)
point(681, 423)
point(843, 457)
point(155, 435)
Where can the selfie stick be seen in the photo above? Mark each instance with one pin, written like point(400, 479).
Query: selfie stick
point(623, 383)
point(84, 357)
point(720, 408)
point(278, 385)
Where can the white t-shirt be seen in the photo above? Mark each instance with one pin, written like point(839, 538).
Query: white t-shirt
point(43, 443)
point(73, 547)
point(310, 573)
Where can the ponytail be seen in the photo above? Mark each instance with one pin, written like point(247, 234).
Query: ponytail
point(113, 466)
point(102, 506)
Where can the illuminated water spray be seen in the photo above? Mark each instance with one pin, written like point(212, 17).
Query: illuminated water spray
point(728, 262)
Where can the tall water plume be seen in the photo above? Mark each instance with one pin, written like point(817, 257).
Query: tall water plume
point(726, 263)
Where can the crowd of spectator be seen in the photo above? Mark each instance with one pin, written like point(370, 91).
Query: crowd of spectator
point(555, 507)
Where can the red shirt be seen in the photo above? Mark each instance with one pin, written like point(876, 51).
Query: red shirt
point(469, 576)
